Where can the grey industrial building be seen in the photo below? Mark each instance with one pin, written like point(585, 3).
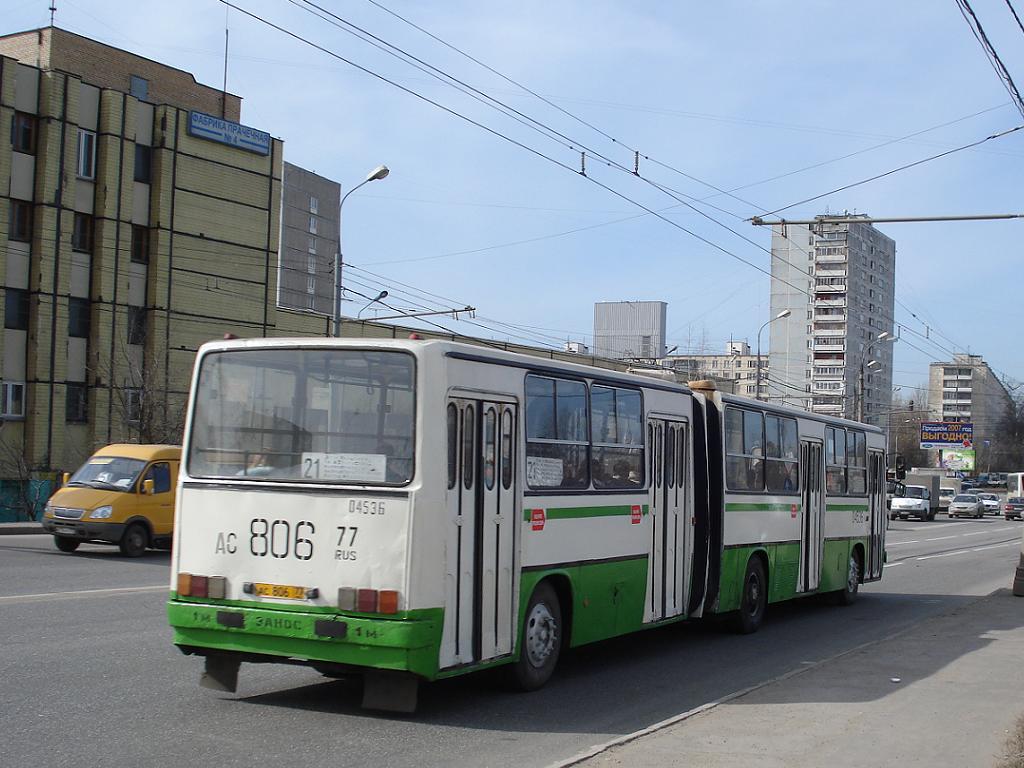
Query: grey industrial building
point(837, 281)
point(630, 330)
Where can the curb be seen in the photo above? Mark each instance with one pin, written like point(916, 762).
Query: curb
point(21, 528)
point(599, 749)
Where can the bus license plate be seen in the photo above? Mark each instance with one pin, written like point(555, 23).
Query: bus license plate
point(279, 590)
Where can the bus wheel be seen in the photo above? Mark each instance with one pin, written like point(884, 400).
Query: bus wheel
point(848, 594)
point(540, 641)
point(134, 541)
point(65, 543)
point(754, 600)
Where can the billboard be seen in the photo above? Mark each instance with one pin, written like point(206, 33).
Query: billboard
point(962, 459)
point(947, 434)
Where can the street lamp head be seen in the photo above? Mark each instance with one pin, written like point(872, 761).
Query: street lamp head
point(883, 336)
point(378, 173)
point(381, 295)
point(782, 314)
point(873, 363)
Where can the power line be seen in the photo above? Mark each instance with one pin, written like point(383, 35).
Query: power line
point(990, 52)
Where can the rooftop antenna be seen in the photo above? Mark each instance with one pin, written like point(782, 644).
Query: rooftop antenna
point(53, 10)
point(224, 90)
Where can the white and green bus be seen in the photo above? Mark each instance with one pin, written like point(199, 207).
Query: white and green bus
point(412, 510)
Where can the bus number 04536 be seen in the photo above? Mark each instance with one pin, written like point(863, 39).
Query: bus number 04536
point(275, 538)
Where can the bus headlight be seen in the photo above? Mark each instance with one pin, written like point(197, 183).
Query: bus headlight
point(101, 513)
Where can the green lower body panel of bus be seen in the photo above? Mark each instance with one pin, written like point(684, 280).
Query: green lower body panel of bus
point(783, 567)
point(407, 644)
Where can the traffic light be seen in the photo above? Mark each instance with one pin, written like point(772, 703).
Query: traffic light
point(911, 405)
point(901, 468)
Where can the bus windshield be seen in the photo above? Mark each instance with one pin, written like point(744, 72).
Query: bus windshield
point(307, 415)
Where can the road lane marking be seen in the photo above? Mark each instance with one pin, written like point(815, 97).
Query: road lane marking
point(995, 546)
point(901, 543)
point(893, 565)
point(932, 527)
point(80, 593)
point(944, 554)
point(940, 538)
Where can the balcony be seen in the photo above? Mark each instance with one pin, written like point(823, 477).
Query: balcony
point(829, 347)
point(829, 301)
point(840, 288)
point(832, 258)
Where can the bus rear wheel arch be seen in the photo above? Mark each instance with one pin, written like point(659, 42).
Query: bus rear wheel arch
point(753, 596)
point(540, 639)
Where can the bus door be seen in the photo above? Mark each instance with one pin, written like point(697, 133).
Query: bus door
point(876, 499)
point(667, 441)
point(480, 608)
point(812, 522)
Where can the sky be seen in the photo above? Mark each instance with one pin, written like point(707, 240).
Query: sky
point(770, 102)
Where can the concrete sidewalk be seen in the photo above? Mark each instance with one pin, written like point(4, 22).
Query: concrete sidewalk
point(945, 692)
point(21, 528)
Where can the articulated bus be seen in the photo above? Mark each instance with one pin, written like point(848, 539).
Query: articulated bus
point(413, 510)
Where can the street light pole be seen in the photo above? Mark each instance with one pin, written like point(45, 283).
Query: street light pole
point(883, 336)
point(782, 314)
point(376, 174)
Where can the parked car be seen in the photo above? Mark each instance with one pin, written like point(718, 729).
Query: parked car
point(966, 505)
point(990, 502)
point(1013, 509)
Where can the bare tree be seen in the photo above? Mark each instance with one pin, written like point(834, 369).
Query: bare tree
point(140, 401)
point(25, 490)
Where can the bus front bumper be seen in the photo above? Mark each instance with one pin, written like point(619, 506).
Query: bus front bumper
point(408, 644)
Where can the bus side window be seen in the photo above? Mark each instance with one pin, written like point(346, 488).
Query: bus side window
point(453, 444)
point(506, 449)
point(468, 439)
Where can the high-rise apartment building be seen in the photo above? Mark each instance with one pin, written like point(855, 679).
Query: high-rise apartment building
point(835, 347)
point(630, 330)
point(309, 241)
point(138, 219)
point(966, 389)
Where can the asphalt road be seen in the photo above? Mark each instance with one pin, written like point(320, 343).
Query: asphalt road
point(88, 675)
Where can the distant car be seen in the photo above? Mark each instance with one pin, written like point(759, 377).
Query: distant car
point(945, 496)
point(966, 485)
point(966, 505)
point(1013, 509)
point(991, 503)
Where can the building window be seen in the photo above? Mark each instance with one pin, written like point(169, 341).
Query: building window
point(12, 399)
point(133, 405)
point(86, 154)
point(76, 403)
point(311, 284)
point(16, 309)
point(78, 318)
point(136, 325)
point(20, 221)
point(23, 133)
point(139, 88)
point(312, 245)
point(311, 264)
point(82, 234)
point(143, 163)
point(140, 244)
point(314, 205)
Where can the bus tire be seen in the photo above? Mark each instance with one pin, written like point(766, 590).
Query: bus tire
point(848, 594)
point(66, 543)
point(753, 599)
point(134, 540)
point(540, 641)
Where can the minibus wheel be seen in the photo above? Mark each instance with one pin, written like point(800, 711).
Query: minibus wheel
point(134, 541)
point(65, 543)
